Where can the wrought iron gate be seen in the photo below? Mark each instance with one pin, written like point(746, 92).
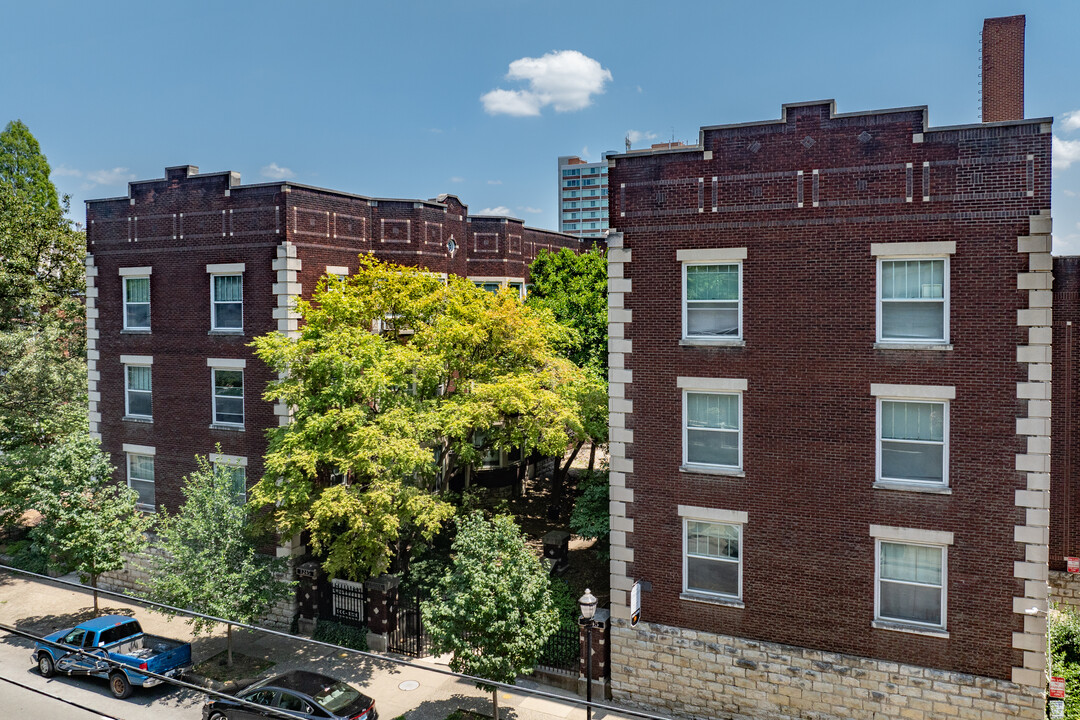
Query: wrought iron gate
point(347, 602)
point(408, 636)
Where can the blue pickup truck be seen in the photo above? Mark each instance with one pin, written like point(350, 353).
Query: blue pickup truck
point(112, 637)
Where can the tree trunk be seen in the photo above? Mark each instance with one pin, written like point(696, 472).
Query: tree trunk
point(228, 633)
point(495, 702)
point(93, 584)
point(592, 456)
point(558, 481)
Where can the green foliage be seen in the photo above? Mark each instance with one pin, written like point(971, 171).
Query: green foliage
point(590, 517)
point(24, 167)
point(1063, 627)
point(392, 413)
point(88, 522)
point(210, 562)
point(338, 634)
point(493, 609)
point(573, 287)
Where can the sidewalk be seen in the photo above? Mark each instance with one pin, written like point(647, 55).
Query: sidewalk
point(415, 689)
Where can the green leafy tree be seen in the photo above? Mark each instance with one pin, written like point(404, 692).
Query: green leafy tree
point(210, 562)
point(591, 516)
point(23, 165)
point(573, 286)
point(493, 609)
point(380, 419)
point(88, 522)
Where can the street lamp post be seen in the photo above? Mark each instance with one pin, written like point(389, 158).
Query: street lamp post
point(587, 603)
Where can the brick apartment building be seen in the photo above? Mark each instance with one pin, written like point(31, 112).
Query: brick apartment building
point(830, 407)
point(185, 271)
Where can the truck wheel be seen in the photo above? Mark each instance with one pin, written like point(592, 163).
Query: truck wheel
point(120, 685)
point(45, 665)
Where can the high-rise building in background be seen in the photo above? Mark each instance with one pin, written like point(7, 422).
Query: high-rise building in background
point(583, 196)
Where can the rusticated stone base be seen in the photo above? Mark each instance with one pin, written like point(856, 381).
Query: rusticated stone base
point(703, 675)
point(1065, 589)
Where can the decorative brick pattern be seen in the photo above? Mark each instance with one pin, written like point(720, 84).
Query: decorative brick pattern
point(93, 355)
point(695, 674)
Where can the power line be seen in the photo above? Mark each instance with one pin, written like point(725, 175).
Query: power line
point(339, 648)
point(72, 703)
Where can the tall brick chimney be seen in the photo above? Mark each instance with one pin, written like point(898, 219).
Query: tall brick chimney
point(1003, 69)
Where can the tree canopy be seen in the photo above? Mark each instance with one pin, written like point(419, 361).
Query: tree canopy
point(24, 167)
point(210, 563)
point(381, 418)
point(88, 522)
point(573, 287)
point(493, 608)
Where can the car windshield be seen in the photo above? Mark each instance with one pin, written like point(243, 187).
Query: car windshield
point(336, 696)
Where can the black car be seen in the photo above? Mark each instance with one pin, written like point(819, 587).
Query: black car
point(306, 694)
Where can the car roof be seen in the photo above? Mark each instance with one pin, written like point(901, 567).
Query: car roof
point(105, 621)
point(303, 681)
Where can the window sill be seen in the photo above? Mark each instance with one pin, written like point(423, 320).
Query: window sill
point(913, 629)
point(711, 600)
point(239, 331)
point(222, 426)
point(148, 509)
point(705, 470)
point(136, 419)
point(135, 331)
point(913, 487)
point(912, 346)
point(708, 342)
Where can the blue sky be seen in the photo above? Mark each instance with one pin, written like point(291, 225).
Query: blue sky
point(412, 99)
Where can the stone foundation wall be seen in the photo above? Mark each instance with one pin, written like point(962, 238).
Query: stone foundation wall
point(1065, 588)
point(132, 580)
point(703, 675)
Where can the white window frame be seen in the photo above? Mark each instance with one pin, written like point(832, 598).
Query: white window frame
point(140, 451)
point(711, 256)
point(130, 361)
point(914, 251)
point(228, 365)
point(225, 270)
point(710, 386)
point(134, 273)
point(712, 516)
point(924, 394)
point(232, 462)
point(923, 538)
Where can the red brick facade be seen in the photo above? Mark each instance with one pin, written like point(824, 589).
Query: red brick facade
point(179, 225)
point(807, 197)
point(1003, 69)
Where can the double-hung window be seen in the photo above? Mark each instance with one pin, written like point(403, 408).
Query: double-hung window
point(236, 468)
point(226, 297)
point(911, 578)
point(712, 553)
point(712, 424)
point(227, 378)
point(136, 291)
point(913, 434)
point(138, 390)
point(913, 292)
point(140, 474)
point(712, 294)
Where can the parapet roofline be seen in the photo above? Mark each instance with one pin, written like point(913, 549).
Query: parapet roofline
point(283, 185)
point(924, 109)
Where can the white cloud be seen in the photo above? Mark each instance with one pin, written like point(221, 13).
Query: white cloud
point(457, 179)
point(494, 182)
point(566, 80)
point(530, 210)
point(1066, 244)
point(1071, 120)
point(65, 171)
point(1066, 152)
point(639, 89)
point(93, 178)
point(1071, 193)
point(585, 152)
point(499, 210)
point(637, 136)
point(436, 131)
point(274, 171)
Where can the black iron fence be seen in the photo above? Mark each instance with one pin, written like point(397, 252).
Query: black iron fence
point(347, 602)
point(562, 651)
point(408, 637)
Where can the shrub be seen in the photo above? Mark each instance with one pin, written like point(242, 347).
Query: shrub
point(337, 633)
point(1064, 631)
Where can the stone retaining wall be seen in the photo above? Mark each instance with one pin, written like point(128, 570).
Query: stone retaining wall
point(703, 675)
point(132, 580)
point(1065, 588)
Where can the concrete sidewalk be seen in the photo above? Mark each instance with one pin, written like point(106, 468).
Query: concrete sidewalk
point(413, 688)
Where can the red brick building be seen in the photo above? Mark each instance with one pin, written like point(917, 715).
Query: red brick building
point(185, 271)
point(830, 401)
